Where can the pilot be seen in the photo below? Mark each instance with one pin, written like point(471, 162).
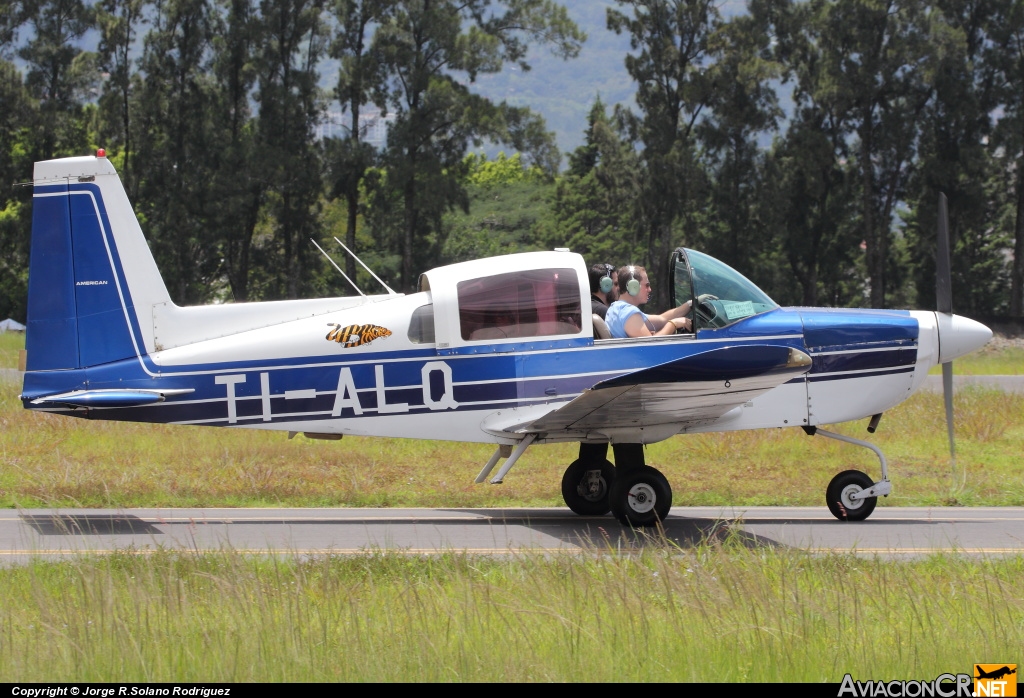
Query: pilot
point(625, 319)
point(603, 280)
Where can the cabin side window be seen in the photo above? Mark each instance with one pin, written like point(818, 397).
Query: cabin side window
point(421, 325)
point(531, 303)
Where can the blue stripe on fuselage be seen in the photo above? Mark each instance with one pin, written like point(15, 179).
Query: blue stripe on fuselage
point(864, 360)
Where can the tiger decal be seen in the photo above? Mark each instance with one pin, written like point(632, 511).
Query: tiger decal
point(356, 335)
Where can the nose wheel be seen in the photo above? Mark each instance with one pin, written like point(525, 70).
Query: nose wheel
point(845, 496)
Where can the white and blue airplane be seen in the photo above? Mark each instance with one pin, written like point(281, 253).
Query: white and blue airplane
point(501, 350)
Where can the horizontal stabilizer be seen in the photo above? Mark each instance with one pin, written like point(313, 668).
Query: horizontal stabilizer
point(698, 388)
point(108, 398)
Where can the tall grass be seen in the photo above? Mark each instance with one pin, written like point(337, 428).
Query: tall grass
point(10, 344)
point(718, 613)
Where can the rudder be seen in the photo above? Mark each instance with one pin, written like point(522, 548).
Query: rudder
point(92, 279)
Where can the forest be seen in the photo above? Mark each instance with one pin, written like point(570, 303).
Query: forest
point(803, 142)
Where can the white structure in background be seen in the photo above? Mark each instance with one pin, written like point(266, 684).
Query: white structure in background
point(372, 123)
point(10, 325)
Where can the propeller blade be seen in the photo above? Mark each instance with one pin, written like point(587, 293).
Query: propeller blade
point(943, 275)
point(944, 304)
point(947, 393)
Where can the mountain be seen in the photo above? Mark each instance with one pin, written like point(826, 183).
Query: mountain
point(563, 91)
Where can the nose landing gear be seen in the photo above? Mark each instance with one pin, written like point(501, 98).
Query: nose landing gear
point(852, 495)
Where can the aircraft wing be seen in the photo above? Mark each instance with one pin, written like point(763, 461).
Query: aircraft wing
point(695, 389)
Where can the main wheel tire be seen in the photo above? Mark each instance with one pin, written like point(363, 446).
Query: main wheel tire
point(585, 486)
point(837, 496)
point(640, 497)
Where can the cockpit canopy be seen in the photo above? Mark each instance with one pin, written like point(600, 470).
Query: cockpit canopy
point(721, 295)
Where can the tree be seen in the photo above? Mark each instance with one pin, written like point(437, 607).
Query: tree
point(10, 19)
point(178, 145)
point(670, 39)
point(293, 40)
point(594, 204)
point(876, 57)
point(809, 212)
point(17, 111)
point(119, 21)
point(239, 181)
point(425, 45)
point(808, 198)
point(1005, 55)
point(743, 107)
point(360, 80)
point(60, 75)
point(507, 202)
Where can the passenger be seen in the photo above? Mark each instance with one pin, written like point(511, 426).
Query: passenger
point(603, 280)
point(625, 319)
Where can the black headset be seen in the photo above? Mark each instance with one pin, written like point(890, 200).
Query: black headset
point(633, 285)
point(606, 282)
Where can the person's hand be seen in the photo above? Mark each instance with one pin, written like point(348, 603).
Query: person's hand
point(681, 323)
point(706, 297)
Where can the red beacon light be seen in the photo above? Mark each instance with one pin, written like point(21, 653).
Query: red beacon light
point(101, 153)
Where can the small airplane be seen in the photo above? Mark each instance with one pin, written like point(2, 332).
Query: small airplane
point(995, 674)
point(499, 350)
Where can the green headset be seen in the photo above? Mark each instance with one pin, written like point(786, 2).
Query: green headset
point(633, 285)
point(606, 283)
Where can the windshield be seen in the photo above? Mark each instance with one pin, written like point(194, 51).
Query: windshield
point(724, 295)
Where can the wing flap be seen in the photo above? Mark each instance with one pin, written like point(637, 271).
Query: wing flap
point(699, 388)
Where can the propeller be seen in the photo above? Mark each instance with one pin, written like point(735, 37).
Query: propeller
point(944, 305)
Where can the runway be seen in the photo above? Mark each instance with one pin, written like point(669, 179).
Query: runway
point(891, 531)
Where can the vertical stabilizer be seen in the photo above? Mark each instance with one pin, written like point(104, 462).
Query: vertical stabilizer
point(92, 279)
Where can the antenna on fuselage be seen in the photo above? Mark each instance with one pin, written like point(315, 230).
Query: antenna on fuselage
point(338, 268)
point(390, 292)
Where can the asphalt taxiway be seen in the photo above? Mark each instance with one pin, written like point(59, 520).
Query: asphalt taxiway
point(891, 531)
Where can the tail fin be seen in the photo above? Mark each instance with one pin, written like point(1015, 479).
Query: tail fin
point(92, 280)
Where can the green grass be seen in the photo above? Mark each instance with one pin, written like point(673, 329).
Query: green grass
point(719, 613)
point(10, 344)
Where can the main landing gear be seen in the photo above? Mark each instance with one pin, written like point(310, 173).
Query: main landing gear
point(588, 480)
point(635, 493)
point(852, 495)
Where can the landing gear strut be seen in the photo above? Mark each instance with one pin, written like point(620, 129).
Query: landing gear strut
point(852, 495)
